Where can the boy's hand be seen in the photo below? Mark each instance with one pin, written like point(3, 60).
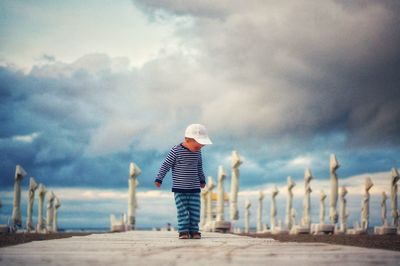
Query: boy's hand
point(202, 185)
point(157, 184)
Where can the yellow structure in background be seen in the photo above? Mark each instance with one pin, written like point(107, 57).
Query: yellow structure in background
point(214, 196)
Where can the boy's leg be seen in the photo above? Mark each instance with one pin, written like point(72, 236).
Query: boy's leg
point(182, 212)
point(194, 211)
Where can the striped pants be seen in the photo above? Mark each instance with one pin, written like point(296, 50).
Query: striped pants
point(188, 209)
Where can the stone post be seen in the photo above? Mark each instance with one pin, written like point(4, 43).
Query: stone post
point(247, 206)
point(365, 205)
point(383, 209)
point(293, 218)
point(306, 221)
point(273, 208)
point(322, 207)
point(260, 227)
point(203, 209)
point(333, 166)
point(31, 198)
point(289, 203)
point(50, 212)
point(393, 197)
point(210, 187)
point(221, 194)
point(236, 162)
point(42, 193)
point(16, 213)
point(57, 204)
point(343, 209)
point(134, 172)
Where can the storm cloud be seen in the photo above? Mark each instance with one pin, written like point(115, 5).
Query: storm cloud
point(280, 82)
point(297, 67)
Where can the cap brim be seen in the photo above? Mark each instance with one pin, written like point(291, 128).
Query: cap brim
point(203, 141)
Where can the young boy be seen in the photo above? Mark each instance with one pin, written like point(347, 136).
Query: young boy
point(187, 179)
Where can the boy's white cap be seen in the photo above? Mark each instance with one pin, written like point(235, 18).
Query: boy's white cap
point(199, 133)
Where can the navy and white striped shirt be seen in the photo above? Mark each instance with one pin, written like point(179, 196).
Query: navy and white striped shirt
point(187, 169)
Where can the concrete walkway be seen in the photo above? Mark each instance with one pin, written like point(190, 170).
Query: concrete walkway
point(163, 248)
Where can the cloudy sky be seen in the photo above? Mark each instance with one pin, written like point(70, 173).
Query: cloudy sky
point(87, 87)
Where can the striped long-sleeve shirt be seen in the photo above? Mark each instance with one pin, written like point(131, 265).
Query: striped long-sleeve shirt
point(187, 169)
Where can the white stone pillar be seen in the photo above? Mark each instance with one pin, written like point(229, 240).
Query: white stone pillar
point(289, 202)
point(247, 205)
point(42, 193)
point(384, 209)
point(221, 194)
point(16, 214)
point(31, 198)
point(306, 221)
point(210, 187)
point(134, 172)
point(293, 217)
point(203, 208)
point(260, 227)
point(365, 204)
point(57, 204)
point(393, 197)
point(50, 212)
point(343, 209)
point(236, 162)
point(333, 166)
point(273, 208)
point(322, 207)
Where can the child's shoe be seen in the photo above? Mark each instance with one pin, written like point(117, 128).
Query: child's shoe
point(195, 235)
point(183, 235)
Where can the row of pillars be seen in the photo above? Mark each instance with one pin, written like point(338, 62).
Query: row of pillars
point(43, 225)
point(208, 224)
point(207, 221)
point(305, 223)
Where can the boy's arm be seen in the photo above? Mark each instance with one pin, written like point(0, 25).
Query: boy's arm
point(165, 167)
point(201, 172)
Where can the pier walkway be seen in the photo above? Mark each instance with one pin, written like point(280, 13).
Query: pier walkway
point(164, 248)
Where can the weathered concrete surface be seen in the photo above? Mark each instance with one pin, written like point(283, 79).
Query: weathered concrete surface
point(163, 248)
